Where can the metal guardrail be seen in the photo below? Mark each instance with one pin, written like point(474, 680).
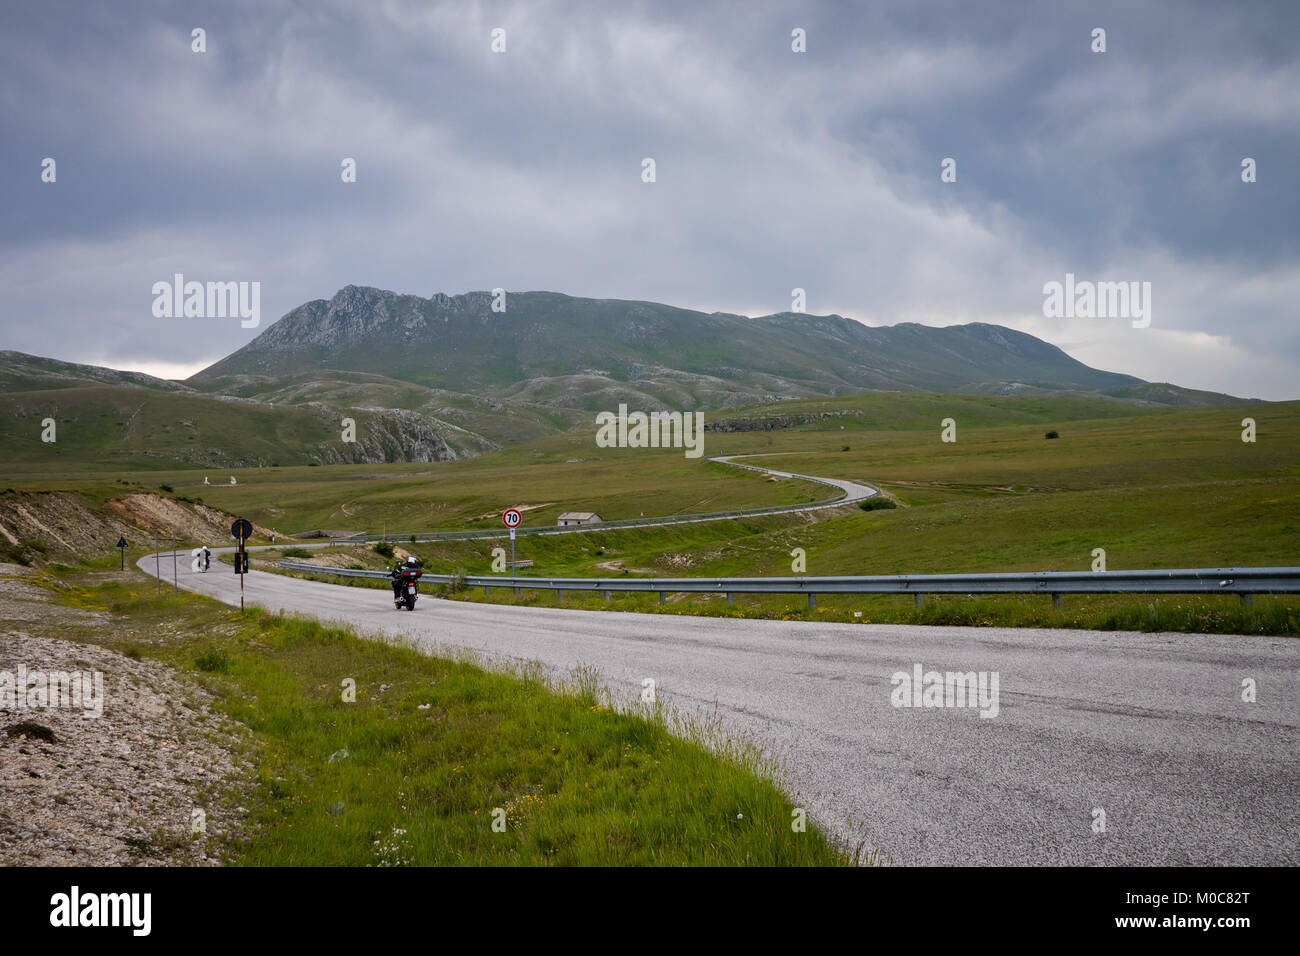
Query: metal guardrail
point(1241, 581)
point(342, 572)
point(398, 537)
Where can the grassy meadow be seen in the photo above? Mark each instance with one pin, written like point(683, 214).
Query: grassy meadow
point(543, 479)
point(1153, 488)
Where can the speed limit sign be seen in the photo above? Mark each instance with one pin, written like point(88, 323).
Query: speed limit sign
point(511, 518)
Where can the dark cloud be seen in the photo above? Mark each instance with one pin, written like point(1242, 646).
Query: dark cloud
point(775, 169)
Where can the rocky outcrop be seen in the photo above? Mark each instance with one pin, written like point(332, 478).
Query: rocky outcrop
point(772, 422)
point(388, 435)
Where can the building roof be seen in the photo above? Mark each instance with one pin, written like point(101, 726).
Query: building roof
point(578, 516)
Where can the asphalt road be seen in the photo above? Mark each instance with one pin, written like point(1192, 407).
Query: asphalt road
point(1149, 728)
point(854, 491)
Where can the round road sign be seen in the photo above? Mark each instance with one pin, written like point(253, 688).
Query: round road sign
point(241, 530)
point(511, 518)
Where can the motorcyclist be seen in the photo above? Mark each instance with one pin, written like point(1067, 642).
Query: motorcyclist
point(401, 567)
point(207, 558)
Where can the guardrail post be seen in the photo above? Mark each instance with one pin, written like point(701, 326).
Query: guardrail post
point(730, 599)
point(812, 601)
point(1248, 601)
point(661, 597)
point(918, 601)
point(559, 594)
point(487, 589)
point(1058, 602)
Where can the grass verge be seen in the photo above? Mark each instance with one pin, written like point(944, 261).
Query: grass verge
point(440, 762)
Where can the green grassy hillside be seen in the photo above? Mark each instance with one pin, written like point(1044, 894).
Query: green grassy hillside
point(126, 427)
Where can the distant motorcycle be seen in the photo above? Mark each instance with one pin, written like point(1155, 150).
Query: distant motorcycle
point(406, 584)
point(202, 559)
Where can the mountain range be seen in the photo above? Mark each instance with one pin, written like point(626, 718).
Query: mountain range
point(448, 376)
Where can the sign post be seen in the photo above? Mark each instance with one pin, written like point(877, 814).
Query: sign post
point(511, 518)
point(121, 544)
point(241, 531)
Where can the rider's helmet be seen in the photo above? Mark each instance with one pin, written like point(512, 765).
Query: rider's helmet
point(410, 562)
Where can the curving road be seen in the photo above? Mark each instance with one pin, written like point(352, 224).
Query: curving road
point(854, 491)
point(1148, 729)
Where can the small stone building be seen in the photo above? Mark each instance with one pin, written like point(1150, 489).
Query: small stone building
point(577, 517)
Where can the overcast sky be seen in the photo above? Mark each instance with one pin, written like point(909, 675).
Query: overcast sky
point(774, 169)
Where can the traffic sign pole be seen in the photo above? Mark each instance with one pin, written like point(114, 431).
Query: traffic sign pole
point(241, 531)
point(511, 518)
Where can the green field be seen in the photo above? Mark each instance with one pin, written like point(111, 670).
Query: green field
point(1166, 489)
point(1153, 488)
point(461, 495)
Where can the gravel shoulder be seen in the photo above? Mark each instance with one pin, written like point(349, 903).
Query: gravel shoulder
point(120, 789)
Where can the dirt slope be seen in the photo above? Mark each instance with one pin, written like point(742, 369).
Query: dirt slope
point(67, 525)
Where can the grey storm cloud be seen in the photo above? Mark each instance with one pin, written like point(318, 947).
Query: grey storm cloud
point(775, 169)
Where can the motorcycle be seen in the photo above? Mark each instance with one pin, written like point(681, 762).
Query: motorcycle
point(406, 587)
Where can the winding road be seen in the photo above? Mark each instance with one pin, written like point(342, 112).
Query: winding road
point(1107, 748)
point(851, 492)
